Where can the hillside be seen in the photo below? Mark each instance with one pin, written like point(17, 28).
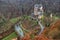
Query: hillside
point(18, 20)
point(15, 8)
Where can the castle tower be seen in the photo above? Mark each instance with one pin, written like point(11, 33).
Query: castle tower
point(36, 9)
point(40, 12)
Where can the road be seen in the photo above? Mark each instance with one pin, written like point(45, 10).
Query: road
point(19, 30)
point(42, 27)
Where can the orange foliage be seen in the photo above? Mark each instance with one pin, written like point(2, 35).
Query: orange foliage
point(42, 36)
point(55, 25)
point(26, 37)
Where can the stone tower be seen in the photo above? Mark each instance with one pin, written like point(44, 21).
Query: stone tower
point(38, 10)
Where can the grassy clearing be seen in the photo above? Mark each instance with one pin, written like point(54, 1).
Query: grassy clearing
point(55, 17)
point(14, 20)
point(11, 36)
point(8, 25)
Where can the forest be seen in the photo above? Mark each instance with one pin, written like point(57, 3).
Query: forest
point(29, 19)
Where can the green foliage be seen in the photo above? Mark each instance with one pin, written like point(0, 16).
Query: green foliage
point(34, 22)
point(2, 21)
point(32, 36)
point(14, 20)
point(12, 35)
point(25, 17)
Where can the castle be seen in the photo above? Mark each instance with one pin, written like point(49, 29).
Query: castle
point(38, 10)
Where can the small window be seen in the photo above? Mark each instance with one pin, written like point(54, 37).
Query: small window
point(38, 9)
